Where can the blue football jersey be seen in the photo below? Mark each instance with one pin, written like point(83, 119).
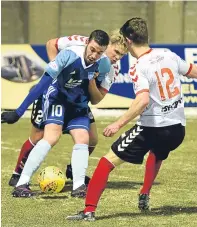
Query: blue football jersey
point(71, 76)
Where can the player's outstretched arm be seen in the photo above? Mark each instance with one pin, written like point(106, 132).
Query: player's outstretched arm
point(52, 49)
point(189, 70)
point(53, 46)
point(38, 90)
point(193, 72)
point(14, 116)
point(53, 69)
point(136, 108)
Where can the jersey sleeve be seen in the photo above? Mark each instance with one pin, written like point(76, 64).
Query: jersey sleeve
point(34, 93)
point(67, 41)
point(103, 68)
point(62, 60)
point(110, 77)
point(183, 67)
point(139, 79)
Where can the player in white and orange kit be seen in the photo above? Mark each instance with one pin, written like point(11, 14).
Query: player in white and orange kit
point(159, 103)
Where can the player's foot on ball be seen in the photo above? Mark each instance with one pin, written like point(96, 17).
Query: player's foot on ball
point(88, 216)
point(69, 174)
point(79, 192)
point(143, 202)
point(14, 179)
point(23, 191)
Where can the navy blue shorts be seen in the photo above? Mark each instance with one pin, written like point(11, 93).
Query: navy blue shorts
point(67, 115)
point(73, 117)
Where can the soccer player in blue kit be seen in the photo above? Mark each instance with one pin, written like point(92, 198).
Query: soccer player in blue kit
point(68, 76)
point(97, 89)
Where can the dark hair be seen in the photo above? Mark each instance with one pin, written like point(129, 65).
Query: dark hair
point(100, 37)
point(136, 30)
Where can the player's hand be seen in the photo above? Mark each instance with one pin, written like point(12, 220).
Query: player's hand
point(9, 117)
point(112, 129)
point(96, 74)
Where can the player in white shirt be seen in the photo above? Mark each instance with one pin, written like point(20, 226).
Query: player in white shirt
point(158, 72)
point(97, 90)
point(159, 103)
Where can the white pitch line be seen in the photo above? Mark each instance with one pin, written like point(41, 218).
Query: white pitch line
point(6, 143)
point(95, 158)
point(10, 148)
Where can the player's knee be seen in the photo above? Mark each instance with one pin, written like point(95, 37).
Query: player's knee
point(80, 136)
point(93, 135)
point(82, 140)
point(93, 141)
point(36, 135)
point(52, 133)
point(52, 140)
point(113, 158)
point(92, 144)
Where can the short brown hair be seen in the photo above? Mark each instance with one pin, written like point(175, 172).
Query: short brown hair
point(117, 38)
point(100, 36)
point(136, 30)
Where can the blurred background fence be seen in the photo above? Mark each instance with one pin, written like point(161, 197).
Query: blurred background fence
point(35, 22)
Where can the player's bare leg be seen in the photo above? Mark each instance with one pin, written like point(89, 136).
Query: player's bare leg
point(52, 133)
point(35, 135)
point(97, 185)
point(93, 140)
point(93, 137)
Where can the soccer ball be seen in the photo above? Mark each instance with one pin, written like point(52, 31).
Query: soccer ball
point(51, 179)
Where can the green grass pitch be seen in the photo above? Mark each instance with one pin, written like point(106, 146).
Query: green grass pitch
point(173, 198)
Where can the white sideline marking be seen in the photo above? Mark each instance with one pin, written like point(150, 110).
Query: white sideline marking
point(7, 143)
point(190, 112)
point(95, 158)
point(10, 148)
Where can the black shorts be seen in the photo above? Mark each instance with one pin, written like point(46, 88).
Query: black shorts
point(37, 114)
point(132, 145)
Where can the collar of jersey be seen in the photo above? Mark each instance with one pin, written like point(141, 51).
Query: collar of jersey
point(80, 54)
point(147, 52)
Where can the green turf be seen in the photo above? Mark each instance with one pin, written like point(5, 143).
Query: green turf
point(173, 197)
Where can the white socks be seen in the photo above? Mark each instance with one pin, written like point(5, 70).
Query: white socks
point(36, 157)
point(79, 162)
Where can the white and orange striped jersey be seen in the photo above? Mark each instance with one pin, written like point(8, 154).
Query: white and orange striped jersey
point(67, 41)
point(158, 72)
point(77, 40)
